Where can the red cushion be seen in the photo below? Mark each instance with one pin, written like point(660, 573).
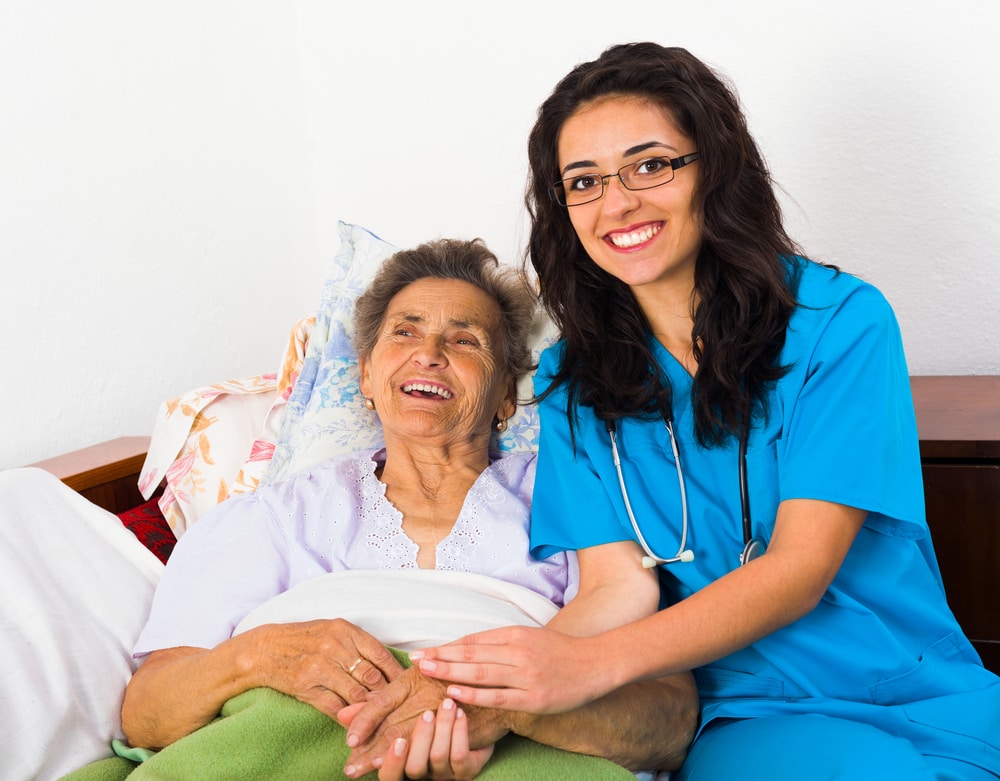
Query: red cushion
point(148, 524)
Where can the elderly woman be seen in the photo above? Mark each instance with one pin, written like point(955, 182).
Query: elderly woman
point(441, 335)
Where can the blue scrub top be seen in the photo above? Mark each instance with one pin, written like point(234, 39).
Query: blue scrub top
point(840, 427)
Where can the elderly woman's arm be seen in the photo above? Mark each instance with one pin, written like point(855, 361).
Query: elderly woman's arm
point(642, 726)
point(177, 690)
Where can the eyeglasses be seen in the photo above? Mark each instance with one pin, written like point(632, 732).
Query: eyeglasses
point(645, 174)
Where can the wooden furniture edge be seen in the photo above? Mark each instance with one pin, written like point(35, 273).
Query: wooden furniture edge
point(958, 416)
point(106, 473)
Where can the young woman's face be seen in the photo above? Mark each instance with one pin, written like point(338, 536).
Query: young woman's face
point(645, 238)
point(435, 370)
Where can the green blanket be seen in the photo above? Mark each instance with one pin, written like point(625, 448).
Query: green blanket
point(263, 734)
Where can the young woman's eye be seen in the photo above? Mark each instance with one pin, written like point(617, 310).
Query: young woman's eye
point(582, 184)
point(653, 166)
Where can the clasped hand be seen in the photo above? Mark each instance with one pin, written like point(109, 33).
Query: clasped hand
point(410, 729)
point(326, 663)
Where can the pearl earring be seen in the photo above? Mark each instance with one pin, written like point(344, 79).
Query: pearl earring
point(370, 404)
point(501, 425)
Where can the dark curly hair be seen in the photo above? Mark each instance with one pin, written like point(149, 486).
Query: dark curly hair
point(744, 279)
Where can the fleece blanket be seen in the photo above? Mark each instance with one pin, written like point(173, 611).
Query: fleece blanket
point(263, 734)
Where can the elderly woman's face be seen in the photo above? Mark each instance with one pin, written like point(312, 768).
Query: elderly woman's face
point(435, 369)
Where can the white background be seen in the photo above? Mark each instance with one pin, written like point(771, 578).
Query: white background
point(171, 173)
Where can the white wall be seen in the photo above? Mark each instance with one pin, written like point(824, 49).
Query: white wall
point(170, 174)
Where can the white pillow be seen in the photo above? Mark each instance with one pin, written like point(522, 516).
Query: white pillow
point(325, 415)
point(76, 588)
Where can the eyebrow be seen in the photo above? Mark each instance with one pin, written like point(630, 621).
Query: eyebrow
point(419, 319)
point(632, 150)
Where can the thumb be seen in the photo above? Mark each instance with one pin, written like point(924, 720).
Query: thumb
point(346, 715)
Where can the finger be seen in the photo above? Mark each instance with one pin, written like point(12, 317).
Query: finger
point(469, 645)
point(502, 699)
point(440, 753)
point(460, 759)
point(346, 715)
point(367, 674)
point(473, 673)
point(418, 756)
point(394, 766)
point(379, 705)
point(326, 701)
point(377, 658)
point(466, 763)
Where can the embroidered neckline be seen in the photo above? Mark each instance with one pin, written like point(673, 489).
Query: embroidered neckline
point(383, 521)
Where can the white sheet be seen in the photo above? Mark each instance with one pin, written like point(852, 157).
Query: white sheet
point(75, 589)
point(407, 609)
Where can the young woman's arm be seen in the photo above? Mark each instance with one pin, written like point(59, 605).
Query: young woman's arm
point(543, 671)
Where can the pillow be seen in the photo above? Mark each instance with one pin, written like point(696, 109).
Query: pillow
point(77, 586)
point(325, 415)
point(213, 442)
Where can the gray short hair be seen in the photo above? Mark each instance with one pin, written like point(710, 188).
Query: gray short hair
point(467, 261)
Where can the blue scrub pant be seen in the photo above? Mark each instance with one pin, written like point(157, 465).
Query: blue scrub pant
point(814, 747)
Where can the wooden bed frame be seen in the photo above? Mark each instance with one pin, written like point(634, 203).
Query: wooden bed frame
point(107, 474)
point(959, 423)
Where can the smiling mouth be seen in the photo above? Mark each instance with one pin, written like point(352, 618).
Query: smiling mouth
point(626, 240)
point(426, 390)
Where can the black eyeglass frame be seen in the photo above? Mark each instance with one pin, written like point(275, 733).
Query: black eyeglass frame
point(675, 163)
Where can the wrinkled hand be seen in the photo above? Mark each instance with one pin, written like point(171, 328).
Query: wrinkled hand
point(389, 714)
point(519, 668)
point(392, 713)
point(438, 748)
point(317, 662)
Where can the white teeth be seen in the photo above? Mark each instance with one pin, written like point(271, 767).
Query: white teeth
point(423, 387)
point(635, 237)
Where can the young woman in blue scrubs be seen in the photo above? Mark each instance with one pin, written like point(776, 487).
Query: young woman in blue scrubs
point(828, 652)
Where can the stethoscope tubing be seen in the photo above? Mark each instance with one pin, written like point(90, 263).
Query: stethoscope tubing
point(683, 554)
point(752, 546)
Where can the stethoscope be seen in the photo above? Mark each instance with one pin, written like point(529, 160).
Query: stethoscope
point(752, 546)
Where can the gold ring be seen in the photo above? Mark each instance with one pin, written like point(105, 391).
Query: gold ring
point(354, 666)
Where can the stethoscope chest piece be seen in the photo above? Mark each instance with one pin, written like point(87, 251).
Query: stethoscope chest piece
point(754, 548)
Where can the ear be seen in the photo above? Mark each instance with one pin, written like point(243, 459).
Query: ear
point(365, 382)
point(509, 404)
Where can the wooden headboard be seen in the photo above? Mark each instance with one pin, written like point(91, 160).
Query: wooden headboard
point(107, 474)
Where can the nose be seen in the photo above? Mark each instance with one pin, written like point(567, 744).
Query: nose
point(618, 199)
point(430, 352)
